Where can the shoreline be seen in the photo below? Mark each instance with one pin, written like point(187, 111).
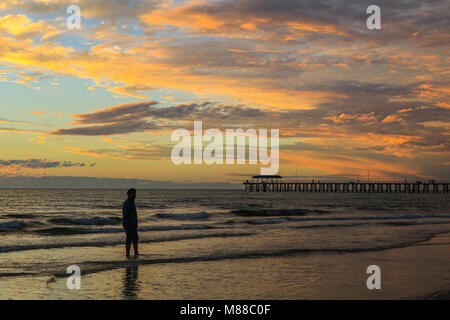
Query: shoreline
point(442, 295)
point(311, 275)
point(298, 277)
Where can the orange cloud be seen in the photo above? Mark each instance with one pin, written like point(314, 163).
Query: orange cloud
point(379, 170)
point(22, 27)
point(391, 118)
point(358, 117)
point(205, 18)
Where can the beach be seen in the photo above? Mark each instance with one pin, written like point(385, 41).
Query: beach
point(225, 244)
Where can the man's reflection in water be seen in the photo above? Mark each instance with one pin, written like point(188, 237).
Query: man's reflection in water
point(130, 282)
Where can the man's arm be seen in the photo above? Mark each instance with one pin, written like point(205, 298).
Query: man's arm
point(125, 215)
point(134, 215)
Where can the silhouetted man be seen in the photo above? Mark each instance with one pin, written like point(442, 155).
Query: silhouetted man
point(130, 223)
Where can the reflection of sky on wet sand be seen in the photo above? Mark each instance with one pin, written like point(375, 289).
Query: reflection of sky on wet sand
point(130, 282)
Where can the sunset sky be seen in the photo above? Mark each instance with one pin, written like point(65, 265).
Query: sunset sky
point(103, 101)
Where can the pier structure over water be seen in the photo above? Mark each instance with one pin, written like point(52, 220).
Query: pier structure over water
point(275, 183)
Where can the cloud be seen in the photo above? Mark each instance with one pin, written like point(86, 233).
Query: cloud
point(113, 11)
point(15, 130)
point(108, 129)
point(311, 20)
point(22, 27)
point(310, 68)
point(119, 113)
point(120, 119)
point(128, 152)
point(262, 53)
point(3, 120)
point(147, 115)
point(39, 164)
point(20, 122)
point(250, 19)
point(343, 141)
point(345, 137)
point(345, 117)
point(132, 91)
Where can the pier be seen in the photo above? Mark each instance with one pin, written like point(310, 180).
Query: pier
point(275, 184)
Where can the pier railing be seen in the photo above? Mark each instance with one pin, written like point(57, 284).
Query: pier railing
point(347, 187)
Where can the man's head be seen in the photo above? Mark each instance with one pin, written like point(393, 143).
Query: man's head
point(131, 193)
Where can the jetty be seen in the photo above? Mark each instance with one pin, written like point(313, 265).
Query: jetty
point(275, 183)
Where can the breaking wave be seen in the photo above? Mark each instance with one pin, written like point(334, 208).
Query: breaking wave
point(183, 216)
point(11, 225)
point(55, 231)
point(118, 242)
point(275, 212)
point(98, 221)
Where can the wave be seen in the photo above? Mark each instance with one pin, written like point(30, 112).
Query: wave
point(108, 206)
point(181, 227)
point(20, 215)
point(183, 216)
point(99, 266)
point(138, 205)
point(151, 206)
point(16, 274)
point(330, 225)
point(55, 231)
point(4, 249)
point(265, 221)
point(391, 223)
point(99, 221)
point(407, 216)
point(11, 225)
point(59, 231)
point(276, 212)
point(365, 218)
point(410, 223)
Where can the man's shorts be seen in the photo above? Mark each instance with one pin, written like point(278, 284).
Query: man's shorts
point(132, 235)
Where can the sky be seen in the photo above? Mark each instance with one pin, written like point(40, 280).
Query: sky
point(101, 102)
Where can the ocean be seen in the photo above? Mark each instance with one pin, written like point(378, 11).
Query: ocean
point(224, 244)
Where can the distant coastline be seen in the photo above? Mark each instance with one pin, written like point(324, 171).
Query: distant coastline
point(71, 182)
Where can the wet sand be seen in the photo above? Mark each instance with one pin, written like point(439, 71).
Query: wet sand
point(416, 272)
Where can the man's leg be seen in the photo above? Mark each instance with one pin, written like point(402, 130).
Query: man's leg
point(135, 246)
point(127, 248)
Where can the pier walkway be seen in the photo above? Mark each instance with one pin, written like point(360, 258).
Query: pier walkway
point(275, 184)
